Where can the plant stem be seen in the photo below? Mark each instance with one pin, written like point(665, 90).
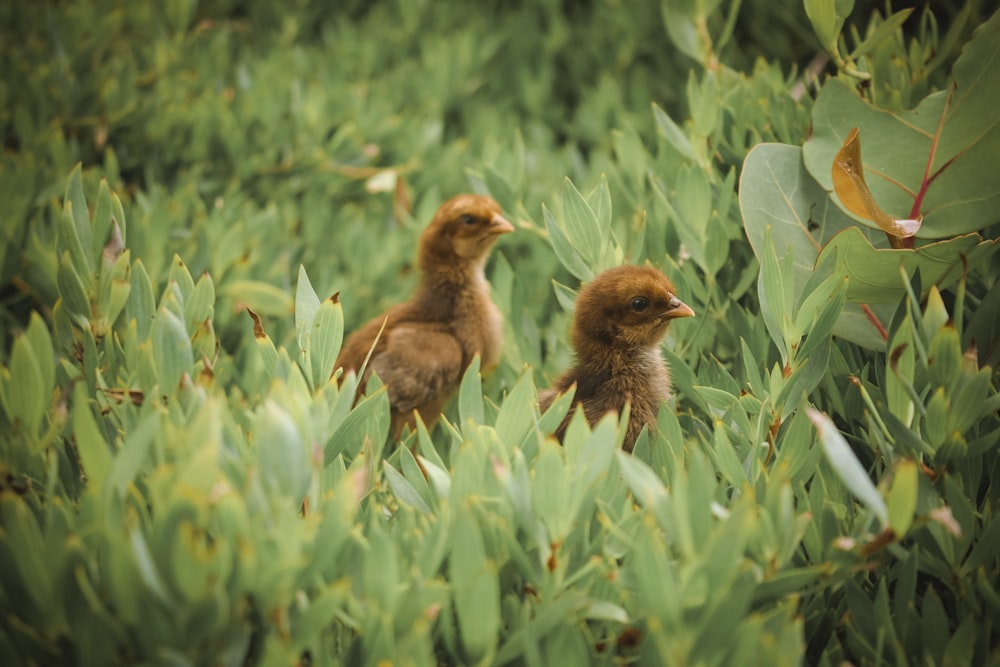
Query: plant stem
point(873, 318)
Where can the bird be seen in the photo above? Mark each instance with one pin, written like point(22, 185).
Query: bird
point(420, 348)
point(620, 319)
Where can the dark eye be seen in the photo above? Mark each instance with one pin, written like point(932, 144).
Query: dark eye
point(640, 303)
point(468, 219)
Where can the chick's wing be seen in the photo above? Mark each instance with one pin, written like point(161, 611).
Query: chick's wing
point(417, 364)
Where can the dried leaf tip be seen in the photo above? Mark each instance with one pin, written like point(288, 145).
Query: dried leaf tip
point(258, 328)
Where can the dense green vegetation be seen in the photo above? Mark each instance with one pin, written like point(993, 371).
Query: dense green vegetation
point(186, 185)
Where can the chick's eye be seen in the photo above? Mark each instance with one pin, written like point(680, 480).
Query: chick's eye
point(468, 219)
point(640, 303)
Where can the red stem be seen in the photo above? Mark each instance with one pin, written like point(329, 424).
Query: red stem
point(873, 318)
point(928, 178)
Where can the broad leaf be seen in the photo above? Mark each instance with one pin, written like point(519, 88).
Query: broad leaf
point(874, 272)
point(939, 159)
point(776, 191)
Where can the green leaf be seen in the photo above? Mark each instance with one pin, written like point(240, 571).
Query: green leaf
point(102, 223)
point(565, 250)
point(986, 548)
point(694, 206)
point(557, 411)
point(599, 201)
point(550, 491)
point(114, 290)
point(23, 537)
point(25, 397)
point(265, 353)
point(75, 231)
point(475, 588)
point(141, 305)
point(582, 229)
point(847, 466)
point(566, 296)
point(171, 350)
point(181, 277)
point(961, 647)
point(306, 307)
point(831, 306)
point(972, 402)
point(199, 306)
point(823, 16)
point(73, 292)
point(37, 335)
point(903, 496)
point(936, 419)
point(326, 338)
point(944, 358)
point(645, 485)
point(369, 419)
point(470, 395)
point(902, 364)
point(262, 297)
point(724, 457)
point(512, 425)
point(416, 476)
point(403, 489)
point(119, 216)
point(94, 453)
point(282, 452)
point(775, 293)
point(874, 272)
point(134, 452)
point(881, 33)
point(673, 133)
point(146, 565)
point(788, 582)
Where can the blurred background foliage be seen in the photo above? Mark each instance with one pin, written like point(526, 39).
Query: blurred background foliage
point(186, 183)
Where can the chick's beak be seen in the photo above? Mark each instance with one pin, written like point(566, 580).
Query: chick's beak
point(500, 225)
point(678, 309)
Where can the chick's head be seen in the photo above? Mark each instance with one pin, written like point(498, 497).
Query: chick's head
point(463, 229)
point(627, 308)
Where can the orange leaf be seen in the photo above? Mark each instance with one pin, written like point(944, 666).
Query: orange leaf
point(849, 184)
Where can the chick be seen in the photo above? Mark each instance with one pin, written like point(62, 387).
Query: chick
point(621, 317)
point(428, 341)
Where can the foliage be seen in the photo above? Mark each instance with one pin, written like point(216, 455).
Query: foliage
point(202, 198)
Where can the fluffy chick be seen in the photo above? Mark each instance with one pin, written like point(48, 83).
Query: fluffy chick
point(621, 317)
point(428, 341)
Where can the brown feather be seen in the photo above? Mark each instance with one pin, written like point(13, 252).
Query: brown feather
point(621, 317)
point(428, 341)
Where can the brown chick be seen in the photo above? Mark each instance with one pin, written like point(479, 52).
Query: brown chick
point(429, 340)
point(621, 317)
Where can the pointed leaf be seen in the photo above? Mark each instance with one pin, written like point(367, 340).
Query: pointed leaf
point(568, 255)
point(326, 338)
point(847, 466)
point(171, 350)
point(94, 453)
point(581, 225)
point(903, 496)
point(470, 395)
